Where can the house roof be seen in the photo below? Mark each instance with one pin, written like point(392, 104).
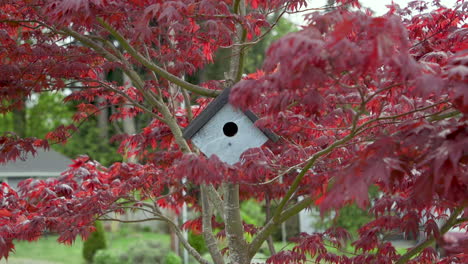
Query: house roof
point(212, 109)
point(43, 164)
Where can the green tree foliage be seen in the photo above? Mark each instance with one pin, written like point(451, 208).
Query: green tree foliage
point(95, 242)
point(86, 140)
point(252, 213)
point(44, 112)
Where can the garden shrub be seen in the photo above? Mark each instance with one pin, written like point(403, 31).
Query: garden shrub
point(107, 257)
point(95, 242)
point(172, 258)
point(145, 252)
point(197, 242)
point(252, 213)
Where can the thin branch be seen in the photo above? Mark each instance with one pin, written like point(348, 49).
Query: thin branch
point(130, 221)
point(132, 208)
point(188, 105)
point(89, 43)
point(216, 199)
point(279, 175)
point(420, 247)
point(270, 243)
point(142, 107)
point(271, 225)
point(324, 7)
point(109, 45)
point(150, 65)
point(381, 90)
point(251, 43)
point(182, 239)
point(401, 115)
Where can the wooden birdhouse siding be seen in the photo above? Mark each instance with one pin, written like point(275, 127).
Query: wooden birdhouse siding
point(228, 134)
point(225, 131)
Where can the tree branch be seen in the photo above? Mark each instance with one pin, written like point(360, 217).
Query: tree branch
point(181, 237)
point(271, 225)
point(271, 246)
point(129, 221)
point(251, 43)
point(400, 115)
point(150, 65)
point(135, 103)
point(279, 215)
point(233, 223)
point(215, 199)
point(211, 241)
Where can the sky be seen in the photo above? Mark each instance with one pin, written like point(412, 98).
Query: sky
point(378, 6)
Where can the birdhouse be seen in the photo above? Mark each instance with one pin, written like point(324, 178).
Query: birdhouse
point(225, 131)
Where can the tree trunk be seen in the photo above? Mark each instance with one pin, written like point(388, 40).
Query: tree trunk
point(238, 253)
point(103, 121)
point(238, 250)
point(128, 123)
point(19, 120)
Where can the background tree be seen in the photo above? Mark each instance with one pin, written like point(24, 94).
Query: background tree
point(357, 100)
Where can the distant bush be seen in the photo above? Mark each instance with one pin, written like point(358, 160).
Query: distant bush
point(172, 258)
point(107, 257)
point(197, 242)
point(95, 242)
point(146, 229)
point(145, 252)
point(252, 213)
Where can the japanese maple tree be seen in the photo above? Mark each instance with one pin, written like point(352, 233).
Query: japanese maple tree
point(357, 100)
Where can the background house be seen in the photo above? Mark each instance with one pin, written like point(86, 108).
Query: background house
point(44, 164)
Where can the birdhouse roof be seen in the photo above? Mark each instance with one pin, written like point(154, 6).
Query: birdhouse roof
point(213, 108)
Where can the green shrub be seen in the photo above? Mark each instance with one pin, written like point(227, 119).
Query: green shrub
point(95, 242)
point(107, 257)
point(145, 252)
point(172, 258)
point(197, 242)
point(146, 229)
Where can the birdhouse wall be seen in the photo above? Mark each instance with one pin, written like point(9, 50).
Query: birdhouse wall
point(219, 136)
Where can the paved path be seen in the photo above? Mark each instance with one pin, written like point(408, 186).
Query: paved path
point(25, 261)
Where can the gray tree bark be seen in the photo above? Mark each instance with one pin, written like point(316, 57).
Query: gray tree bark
point(128, 123)
point(19, 121)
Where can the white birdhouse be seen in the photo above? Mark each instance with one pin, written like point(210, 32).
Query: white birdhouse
point(226, 131)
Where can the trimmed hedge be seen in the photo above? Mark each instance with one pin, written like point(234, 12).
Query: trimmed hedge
point(95, 242)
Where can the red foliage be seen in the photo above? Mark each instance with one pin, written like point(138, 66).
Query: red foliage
point(363, 100)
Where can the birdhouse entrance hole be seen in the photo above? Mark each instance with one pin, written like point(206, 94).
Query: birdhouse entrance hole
point(230, 129)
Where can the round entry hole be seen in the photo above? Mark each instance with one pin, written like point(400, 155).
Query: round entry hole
point(230, 129)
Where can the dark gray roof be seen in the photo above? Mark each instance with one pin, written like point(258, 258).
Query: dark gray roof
point(212, 109)
point(44, 163)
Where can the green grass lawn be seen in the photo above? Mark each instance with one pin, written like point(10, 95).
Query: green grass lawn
point(48, 249)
